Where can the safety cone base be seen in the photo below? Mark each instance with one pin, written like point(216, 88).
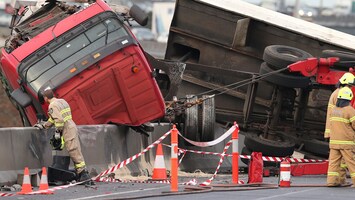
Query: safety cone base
point(26, 183)
point(43, 187)
point(159, 171)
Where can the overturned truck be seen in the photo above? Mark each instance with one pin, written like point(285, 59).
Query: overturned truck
point(232, 49)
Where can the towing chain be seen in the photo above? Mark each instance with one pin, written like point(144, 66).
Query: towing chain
point(176, 107)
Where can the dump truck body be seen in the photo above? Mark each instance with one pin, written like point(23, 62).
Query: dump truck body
point(223, 43)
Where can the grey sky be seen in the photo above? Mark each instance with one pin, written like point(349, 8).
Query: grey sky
point(315, 3)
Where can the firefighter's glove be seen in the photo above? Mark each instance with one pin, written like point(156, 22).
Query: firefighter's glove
point(39, 126)
point(57, 144)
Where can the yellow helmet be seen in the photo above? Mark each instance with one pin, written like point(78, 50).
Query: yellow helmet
point(347, 79)
point(345, 93)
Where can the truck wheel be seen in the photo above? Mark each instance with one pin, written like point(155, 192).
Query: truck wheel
point(280, 148)
point(208, 119)
point(342, 55)
point(316, 147)
point(286, 80)
point(280, 56)
point(191, 120)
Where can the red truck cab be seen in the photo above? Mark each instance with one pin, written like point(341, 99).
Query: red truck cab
point(89, 58)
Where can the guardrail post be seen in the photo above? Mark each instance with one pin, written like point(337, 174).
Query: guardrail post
point(235, 154)
point(174, 159)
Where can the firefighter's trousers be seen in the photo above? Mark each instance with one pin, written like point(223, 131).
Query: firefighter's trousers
point(342, 172)
point(335, 157)
point(72, 144)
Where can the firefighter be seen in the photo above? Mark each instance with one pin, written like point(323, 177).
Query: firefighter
point(342, 134)
point(66, 133)
point(347, 80)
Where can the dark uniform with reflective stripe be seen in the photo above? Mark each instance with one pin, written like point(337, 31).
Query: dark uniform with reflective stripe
point(342, 142)
point(60, 116)
point(331, 105)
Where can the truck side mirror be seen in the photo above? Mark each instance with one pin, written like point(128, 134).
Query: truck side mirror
point(139, 15)
point(21, 98)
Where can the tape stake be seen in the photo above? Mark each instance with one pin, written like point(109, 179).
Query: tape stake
point(174, 159)
point(235, 158)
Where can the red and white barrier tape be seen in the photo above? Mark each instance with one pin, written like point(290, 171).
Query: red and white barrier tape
point(191, 182)
point(265, 158)
point(210, 143)
point(113, 180)
point(7, 194)
point(208, 182)
point(129, 160)
point(110, 170)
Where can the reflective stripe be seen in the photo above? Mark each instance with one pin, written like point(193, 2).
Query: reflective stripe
point(51, 120)
point(67, 118)
point(174, 147)
point(352, 119)
point(59, 124)
point(341, 142)
point(339, 119)
point(342, 165)
point(327, 130)
point(333, 174)
point(80, 165)
point(352, 175)
point(65, 111)
point(331, 106)
point(62, 142)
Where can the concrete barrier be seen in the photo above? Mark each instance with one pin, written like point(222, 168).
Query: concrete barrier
point(102, 146)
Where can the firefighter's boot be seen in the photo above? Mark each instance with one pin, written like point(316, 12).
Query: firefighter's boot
point(85, 178)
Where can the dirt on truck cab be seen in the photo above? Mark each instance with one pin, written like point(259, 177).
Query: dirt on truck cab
point(88, 56)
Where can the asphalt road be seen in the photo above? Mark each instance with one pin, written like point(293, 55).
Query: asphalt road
point(162, 191)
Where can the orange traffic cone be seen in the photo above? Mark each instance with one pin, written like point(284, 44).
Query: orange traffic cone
point(44, 182)
point(159, 172)
point(26, 184)
point(285, 174)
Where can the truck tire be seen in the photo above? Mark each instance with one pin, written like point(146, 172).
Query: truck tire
point(281, 148)
point(317, 147)
point(342, 55)
point(280, 56)
point(285, 80)
point(208, 119)
point(191, 120)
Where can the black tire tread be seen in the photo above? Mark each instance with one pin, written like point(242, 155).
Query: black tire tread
point(280, 56)
point(268, 147)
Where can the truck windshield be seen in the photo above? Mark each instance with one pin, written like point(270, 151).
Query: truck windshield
point(67, 60)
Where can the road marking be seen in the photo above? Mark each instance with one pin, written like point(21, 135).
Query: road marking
point(127, 192)
point(280, 195)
